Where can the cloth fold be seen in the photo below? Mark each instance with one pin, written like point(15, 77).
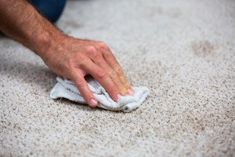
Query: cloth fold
point(67, 89)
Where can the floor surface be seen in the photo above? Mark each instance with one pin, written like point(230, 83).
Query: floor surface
point(183, 50)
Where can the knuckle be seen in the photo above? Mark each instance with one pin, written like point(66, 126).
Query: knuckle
point(93, 53)
point(118, 71)
point(107, 54)
point(112, 74)
point(83, 63)
point(88, 95)
point(99, 61)
point(101, 74)
point(102, 45)
point(90, 49)
point(79, 83)
point(70, 64)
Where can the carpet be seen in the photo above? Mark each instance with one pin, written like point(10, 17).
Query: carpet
point(184, 51)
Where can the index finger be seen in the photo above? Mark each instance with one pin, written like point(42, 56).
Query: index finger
point(83, 88)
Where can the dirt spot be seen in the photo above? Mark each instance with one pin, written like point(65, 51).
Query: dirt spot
point(203, 48)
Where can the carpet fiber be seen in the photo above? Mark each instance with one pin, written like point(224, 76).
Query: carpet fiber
point(183, 50)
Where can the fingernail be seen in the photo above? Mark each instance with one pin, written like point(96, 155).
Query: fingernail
point(130, 91)
point(93, 103)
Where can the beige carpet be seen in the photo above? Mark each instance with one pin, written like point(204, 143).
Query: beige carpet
point(183, 50)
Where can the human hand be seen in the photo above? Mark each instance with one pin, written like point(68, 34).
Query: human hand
point(75, 58)
point(66, 56)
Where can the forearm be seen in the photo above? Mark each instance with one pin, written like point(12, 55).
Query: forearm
point(20, 20)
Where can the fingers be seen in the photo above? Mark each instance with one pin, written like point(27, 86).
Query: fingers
point(111, 73)
point(102, 77)
point(111, 60)
point(81, 84)
point(102, 65)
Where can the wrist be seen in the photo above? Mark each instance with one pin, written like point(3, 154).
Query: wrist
point(45, 42)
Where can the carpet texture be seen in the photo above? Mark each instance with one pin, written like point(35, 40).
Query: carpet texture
point(183, 50)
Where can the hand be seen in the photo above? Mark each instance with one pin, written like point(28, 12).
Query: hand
point(75, 58)
point(66, 56)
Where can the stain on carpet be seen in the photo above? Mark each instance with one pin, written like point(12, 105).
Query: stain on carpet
point(203, 48)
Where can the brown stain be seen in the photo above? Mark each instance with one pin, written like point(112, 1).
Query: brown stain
point(203, 48)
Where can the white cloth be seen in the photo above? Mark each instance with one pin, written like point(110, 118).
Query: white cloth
point(67, 89)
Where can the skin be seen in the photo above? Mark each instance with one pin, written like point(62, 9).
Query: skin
point(66, 56)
